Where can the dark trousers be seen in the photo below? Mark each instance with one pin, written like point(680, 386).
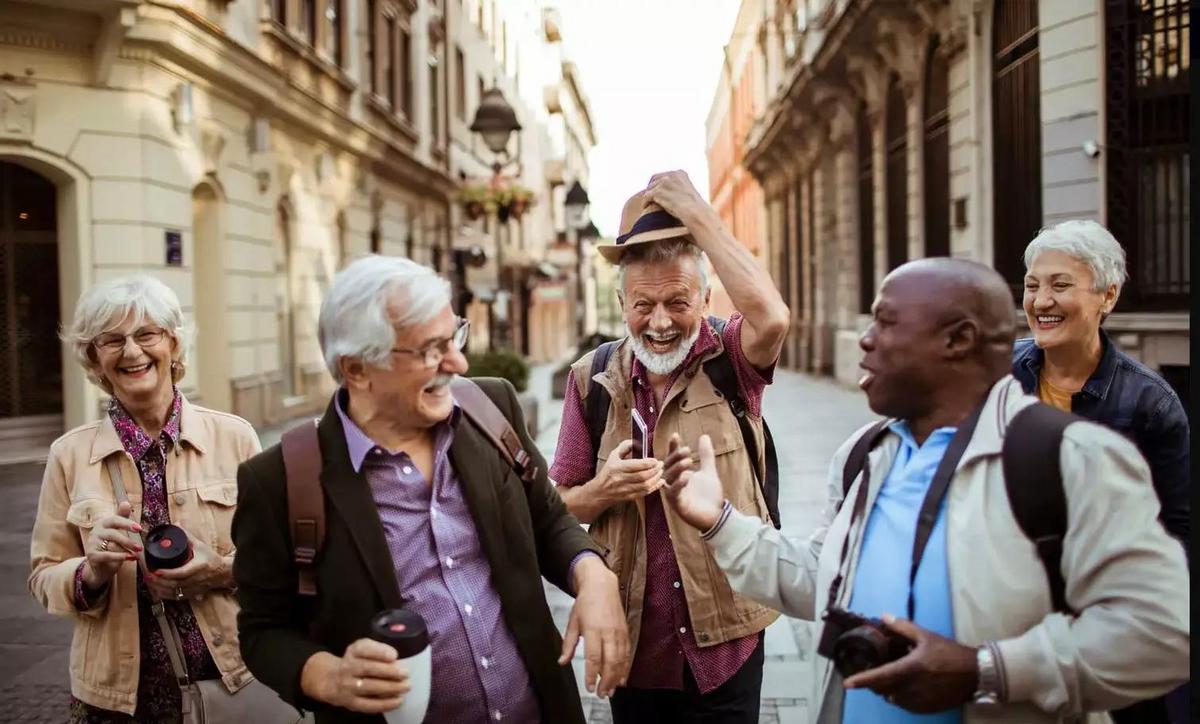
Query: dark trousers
point(734, 702)
point(1169, 709)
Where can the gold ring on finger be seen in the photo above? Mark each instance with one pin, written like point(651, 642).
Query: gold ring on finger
point(104, 544)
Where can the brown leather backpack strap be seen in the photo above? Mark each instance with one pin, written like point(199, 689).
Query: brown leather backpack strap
point(306, 501)
point(481, 411)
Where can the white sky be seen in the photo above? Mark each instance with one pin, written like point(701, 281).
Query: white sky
point(649, 69)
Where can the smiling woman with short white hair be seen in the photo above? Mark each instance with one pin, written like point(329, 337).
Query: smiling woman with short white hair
point(153, 459)
point(1074, 274)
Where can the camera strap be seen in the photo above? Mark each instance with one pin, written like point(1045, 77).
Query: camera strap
point(927, 517)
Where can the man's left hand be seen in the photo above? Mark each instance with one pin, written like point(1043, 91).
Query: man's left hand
point(673, 191)
point(598, 619)
point(205, 571)
point(938, 674)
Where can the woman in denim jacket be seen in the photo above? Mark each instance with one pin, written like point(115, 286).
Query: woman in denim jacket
point(1074, 273)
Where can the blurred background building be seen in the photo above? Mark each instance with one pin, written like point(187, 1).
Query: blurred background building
point(245, 150)
point(739, 100)
point(887, 130)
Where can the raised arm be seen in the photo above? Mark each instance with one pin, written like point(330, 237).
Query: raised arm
point(750, 287)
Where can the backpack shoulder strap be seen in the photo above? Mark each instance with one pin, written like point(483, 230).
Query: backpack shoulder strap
point(306, 501)
point(1033, 480)
point(858, 454)
point(486, 416)
point(721, 373)
point(598, 401)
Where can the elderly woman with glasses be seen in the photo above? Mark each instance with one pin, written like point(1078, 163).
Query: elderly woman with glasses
point(1074, 273)
point(177, 463)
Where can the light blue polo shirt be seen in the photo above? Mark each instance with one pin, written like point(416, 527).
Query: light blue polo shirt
point(881, 580)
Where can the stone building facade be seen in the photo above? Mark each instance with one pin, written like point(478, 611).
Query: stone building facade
point(739, 101)
point(240, 150)
point(517, 46)
point(895, 129)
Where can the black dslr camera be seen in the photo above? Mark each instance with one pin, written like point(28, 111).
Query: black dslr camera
point(855, 643)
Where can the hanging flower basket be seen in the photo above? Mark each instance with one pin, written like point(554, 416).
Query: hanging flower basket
point(502, 198)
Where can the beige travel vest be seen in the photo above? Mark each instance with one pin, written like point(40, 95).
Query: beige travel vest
point(693, 407)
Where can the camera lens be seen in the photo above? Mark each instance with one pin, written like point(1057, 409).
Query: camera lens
point(859, 649)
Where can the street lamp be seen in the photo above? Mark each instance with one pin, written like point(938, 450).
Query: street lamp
point(575, 204)
point(495, 121)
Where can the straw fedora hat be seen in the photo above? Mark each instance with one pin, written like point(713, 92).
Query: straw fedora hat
point(641, 222)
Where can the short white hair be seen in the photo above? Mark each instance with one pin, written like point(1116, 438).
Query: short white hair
point(355, 318)
point(106, 305)
point(660, 251)
point(1090, 243)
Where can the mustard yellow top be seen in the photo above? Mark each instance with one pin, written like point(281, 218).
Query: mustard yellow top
point(1054, 396)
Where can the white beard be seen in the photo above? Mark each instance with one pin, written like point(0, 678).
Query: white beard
point(662, 364)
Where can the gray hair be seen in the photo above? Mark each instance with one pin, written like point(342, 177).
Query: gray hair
point(355, 318)
point(1090, 243)
point(660, 251)
point(106, 305)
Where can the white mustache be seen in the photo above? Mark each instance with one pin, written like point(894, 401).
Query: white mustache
point(440, 380)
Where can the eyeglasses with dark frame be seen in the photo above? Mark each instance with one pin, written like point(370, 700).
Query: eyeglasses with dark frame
point(144, 337)
point(433, 353)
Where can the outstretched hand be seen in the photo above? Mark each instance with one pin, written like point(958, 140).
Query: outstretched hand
point(695, 493)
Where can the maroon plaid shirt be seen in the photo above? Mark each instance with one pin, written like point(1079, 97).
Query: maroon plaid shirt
point(666, 642)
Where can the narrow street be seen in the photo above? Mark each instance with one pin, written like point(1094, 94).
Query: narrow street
point(809, 418)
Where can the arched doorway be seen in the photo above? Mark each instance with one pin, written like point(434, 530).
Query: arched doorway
point(211, 352)
point(896, 135)
point(285, 300)
point(31, 374)
point(866, 213)
point(1016, 136)
point(937, 152)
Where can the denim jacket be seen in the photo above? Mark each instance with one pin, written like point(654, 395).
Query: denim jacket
point(1129, 397)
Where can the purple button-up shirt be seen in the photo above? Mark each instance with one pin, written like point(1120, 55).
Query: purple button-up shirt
point(443, 575)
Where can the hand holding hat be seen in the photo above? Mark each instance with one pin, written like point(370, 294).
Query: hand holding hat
point(675, 193)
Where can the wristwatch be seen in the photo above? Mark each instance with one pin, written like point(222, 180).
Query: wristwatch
point(989, 690)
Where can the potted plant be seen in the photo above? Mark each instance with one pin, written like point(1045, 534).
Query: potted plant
point(473, 198)
point(522, 199)
point(514, 368)
point(502, 198)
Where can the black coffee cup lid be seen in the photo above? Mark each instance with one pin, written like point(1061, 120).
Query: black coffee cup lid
point(167, 547)
point(402, 629)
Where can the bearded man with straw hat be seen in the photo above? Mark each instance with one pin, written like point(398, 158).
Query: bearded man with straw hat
point(698, 645)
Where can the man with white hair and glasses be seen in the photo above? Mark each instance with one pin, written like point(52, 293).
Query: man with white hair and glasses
point(422, 512)
point(698, 645)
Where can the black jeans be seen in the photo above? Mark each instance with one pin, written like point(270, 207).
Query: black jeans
point(734, 702)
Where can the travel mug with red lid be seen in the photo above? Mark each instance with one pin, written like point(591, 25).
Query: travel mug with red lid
point(405, 631)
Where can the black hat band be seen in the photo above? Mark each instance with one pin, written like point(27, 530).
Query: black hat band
point(653, 221)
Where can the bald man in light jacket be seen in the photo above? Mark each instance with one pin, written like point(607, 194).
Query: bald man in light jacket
point(935, 356)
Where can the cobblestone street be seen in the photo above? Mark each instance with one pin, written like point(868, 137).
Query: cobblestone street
point(809, 418)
